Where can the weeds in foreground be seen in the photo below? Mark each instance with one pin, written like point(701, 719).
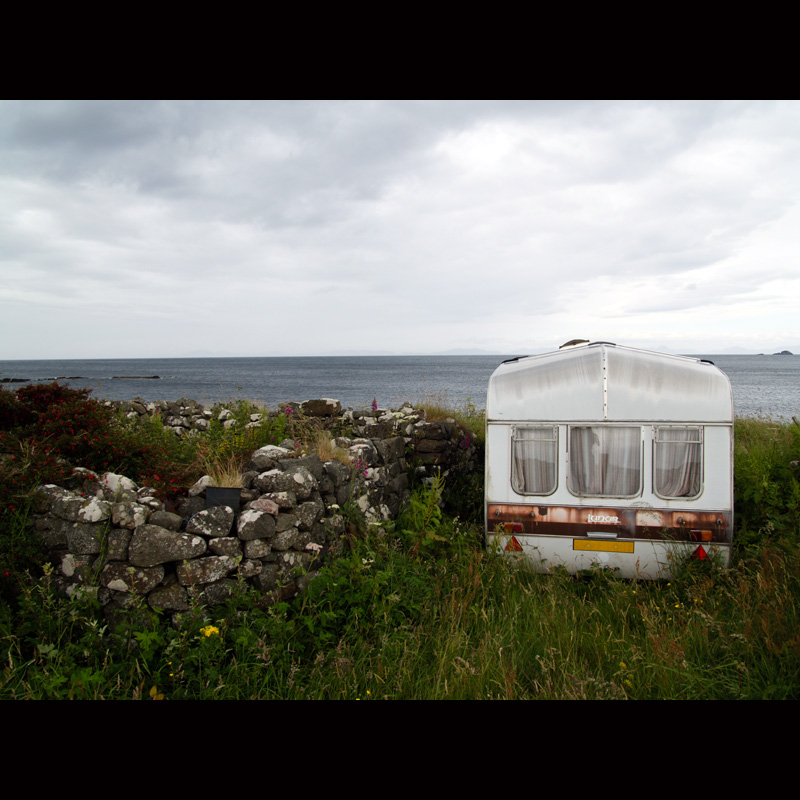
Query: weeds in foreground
point(403, 614)
point(451, 621)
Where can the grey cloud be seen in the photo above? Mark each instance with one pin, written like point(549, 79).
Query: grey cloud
point(461, 212)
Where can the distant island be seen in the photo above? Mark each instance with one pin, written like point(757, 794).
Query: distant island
point(783, 353)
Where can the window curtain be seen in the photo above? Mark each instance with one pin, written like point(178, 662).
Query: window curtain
point(678, 462)
point(534, 460)
point(605, 461)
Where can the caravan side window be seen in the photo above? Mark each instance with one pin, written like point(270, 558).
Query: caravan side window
point(534, 459)
point(678, 462)
point(605, 461)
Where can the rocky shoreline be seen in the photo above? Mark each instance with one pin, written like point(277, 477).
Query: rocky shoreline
point(81, 378)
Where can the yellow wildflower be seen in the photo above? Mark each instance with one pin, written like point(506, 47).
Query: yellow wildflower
point(210, 630)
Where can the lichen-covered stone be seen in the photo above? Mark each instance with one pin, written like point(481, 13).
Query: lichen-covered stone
point(285, 539)
point(324, 407)
point(123, 577)
point(249, 568)
point(212, 522)
point(84, 538)
point(285, 521)
point(257, 548)
point(266, 458)
point(338, 473)
point(166, 519)
point(276, 480)
point(76, 565)
point(169, 598)
point(267, 579)
point(129, 514)
point(187, 507)
point(308, 513)
point(94, 510)
point(265, 504)
point(118, 487)
point(312, 463)
point(364, 454)
point(118, 541)
point(335, 524)
point(44, 496)
point(205, 570)
point(284, 500)
point(215, 594)
point(67, 506)
point(254, 524)
point(151, 545)
point(225, 546)
point(200, 486)
point(305, 482)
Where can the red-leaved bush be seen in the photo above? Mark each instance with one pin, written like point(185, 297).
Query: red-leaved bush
point(48, 429)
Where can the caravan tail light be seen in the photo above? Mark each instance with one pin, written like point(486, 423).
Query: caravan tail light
point(512, 527)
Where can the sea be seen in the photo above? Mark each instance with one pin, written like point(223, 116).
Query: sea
point(763, 385)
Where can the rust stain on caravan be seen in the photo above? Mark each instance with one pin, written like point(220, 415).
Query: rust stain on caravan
point(626, 523)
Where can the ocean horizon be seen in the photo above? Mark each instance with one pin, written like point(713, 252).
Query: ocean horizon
point(763, 385)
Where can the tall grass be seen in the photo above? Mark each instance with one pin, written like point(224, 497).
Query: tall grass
point(766, 486)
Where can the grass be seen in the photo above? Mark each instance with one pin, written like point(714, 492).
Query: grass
point(381, 623)
point(322, 445)
point(425, 612)
point(438, 409)
point(225, 471)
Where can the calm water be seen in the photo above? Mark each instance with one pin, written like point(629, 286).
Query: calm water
point(762, 385)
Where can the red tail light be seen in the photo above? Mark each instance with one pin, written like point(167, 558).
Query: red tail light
point(512, 527)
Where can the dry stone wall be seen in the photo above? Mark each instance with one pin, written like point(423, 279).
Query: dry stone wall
point(107, 535)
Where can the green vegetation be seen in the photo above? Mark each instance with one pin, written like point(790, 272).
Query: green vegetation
point(466, 414)
point(422, 612)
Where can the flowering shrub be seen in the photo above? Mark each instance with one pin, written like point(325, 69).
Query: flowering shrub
point(49, 429)
point(66, 424)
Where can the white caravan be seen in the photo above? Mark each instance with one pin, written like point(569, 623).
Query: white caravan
point(602, 455)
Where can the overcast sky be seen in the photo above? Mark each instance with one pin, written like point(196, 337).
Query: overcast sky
point(136, 229)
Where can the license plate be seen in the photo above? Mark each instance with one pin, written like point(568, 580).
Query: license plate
point(602, 546)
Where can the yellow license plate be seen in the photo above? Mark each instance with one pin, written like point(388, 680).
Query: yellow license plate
point(602, 546)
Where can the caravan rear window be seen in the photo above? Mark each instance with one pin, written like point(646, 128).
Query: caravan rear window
point(678, 461)
point(534, 456)
point(605, 461)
